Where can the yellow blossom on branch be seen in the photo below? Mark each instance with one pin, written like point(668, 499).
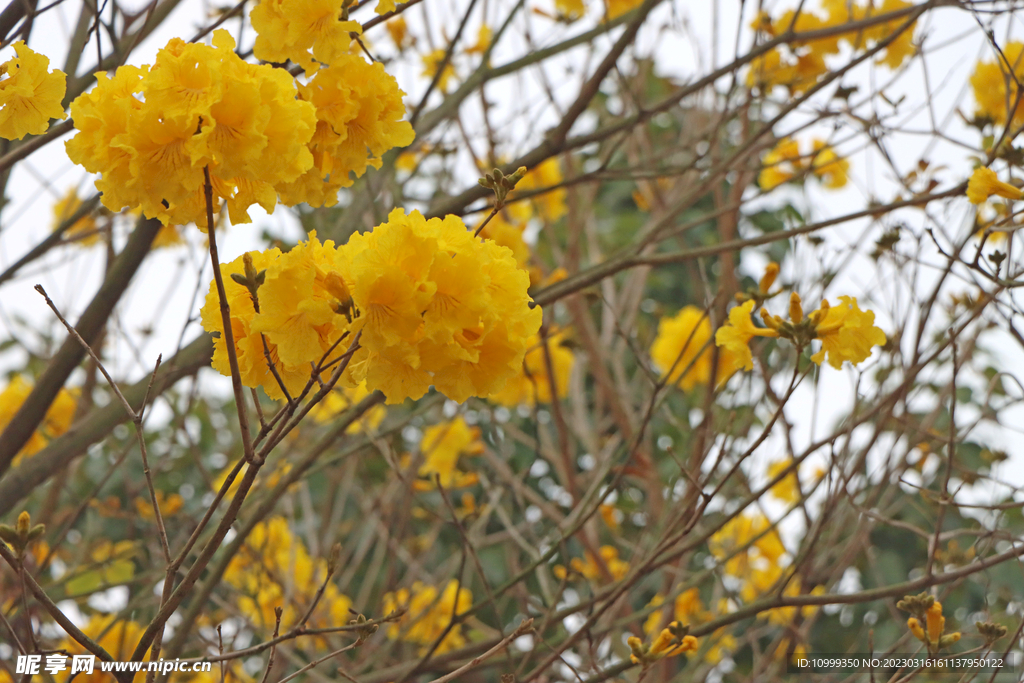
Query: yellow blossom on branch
point(984, 183)
point(83, 232)
point(594, 569)
point(56, 421)
point(432, 62)
point(735, 337)
point(682, 349)
point(275, 570)
point(673, 640)
point(846, 332)
point(150, 132)
point(788, 489)
point(429, 614)
point(442, 446)
point(828, 167)
point(434, 305)
point(29, 94)
point(533, 384)
point(995, 85)
point(303, 31)
point(359, 112)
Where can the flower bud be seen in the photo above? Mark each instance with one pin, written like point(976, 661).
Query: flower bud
point(796, 311)
point(771, 272)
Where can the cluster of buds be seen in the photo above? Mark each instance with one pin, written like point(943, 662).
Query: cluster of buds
point(251, 280)
point(673, 640)
point(762, 293)
point(798, 329)
point(501, 184)
point(22, 534)
point(928, 611)
point(363, 629)
point(990, 631)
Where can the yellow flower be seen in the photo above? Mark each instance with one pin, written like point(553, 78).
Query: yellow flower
point(671, 642)
point(56, 421)
point(546, 175)
point(592, 570)
point(615, 8)
point(200, 106)
point(249, 349)
point(428, 615)
point(440, 307)
point(274, 569)
point(483, 41)
point(735, 337)
point(984, 183)
point(570, 10)
point(726, 543)
point(359, 112)
point(668, 645)
point(682, 348)
point(84, 231)
point(29, 95)
point(169, 505)
point(828, 166)
point(442, 446)
point(788, 489)
point(117, 637)
point(508, 234)
point(687, 608)
point(399, 32)
point(995, 85)
point(846, 333)
point(936, 623)
point(432, 62)
point(915, 627)
point(780, 164)
point(303, 31)
point(343, 398)
point(902, 46)
point(300, 311)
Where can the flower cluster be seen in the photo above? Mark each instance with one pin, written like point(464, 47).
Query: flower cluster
point(153, 132)
point(845, 331)
point(682, 349)
point(303, 31)
point(56, 421)
point(359, 112)
point(434, 304)
point(784, 162)
point(608, 565)
point(442, 446)
point(343, 398)
point(429, 614)
point(117, 637)
point(996, 87)
point(928, 611)
point(672, 641)
point(688, 608)
point(751, 552)
point(534, 384)
point(800, 63)
point(29, 94)
point(273, 569)
point(438, 306)
point(84, 231)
